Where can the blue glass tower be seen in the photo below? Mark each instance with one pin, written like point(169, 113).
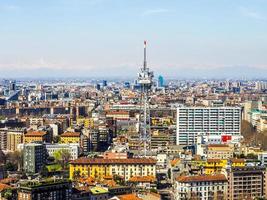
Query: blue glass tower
point(160, 81)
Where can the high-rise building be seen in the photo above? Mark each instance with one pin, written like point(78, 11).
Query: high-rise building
point(213, 122)
point(34, 157)
point(12, 85)
point(105, 83)
point(160, 81)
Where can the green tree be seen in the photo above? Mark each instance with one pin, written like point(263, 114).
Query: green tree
point(62, 157)
point(16, 158)
point(44, 171)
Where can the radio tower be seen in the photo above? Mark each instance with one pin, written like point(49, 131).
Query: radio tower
point(145, 79)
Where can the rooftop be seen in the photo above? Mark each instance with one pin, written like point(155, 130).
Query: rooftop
point(84, 160)
point(35, 133)
point(98, 190)
point(201, 178)
point(70, 134)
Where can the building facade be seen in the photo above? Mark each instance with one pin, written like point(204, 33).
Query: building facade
point(212, 121)
point(72, 148)
point(126, 168)
point(34, 157)
point(246, 182)
point(203, 187)
point(52, 190)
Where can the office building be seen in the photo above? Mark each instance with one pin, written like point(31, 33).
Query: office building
point(160, 81)
point(214, 122)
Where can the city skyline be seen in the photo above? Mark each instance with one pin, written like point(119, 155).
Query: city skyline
point(100, 38)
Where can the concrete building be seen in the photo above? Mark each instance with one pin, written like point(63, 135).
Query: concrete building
point(211, 121)
point(37, 136)
point(219, 151)
point(73, 149)
point(48, 189)
point(203, 187)
point(246, 182)
point(3, 138)
point(70, 137)
point(14, 137)
point(34, 157)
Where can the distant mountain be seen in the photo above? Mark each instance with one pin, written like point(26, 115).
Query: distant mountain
point(238, 72)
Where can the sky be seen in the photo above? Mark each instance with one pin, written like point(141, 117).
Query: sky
point(186, 38)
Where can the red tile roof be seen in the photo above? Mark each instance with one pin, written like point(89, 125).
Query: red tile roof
point(35, 133)
point(70, 134)
point(143, 179)
point(4, 187)
point(201, 178)
point(84, 160)
point(128, 197)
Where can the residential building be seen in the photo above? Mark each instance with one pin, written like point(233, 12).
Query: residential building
point(263, 158)
point(211, 121)
point(73, 149)
point(3, 139)
point(219, 151)
point(246, 182)
point(37, 136)
point(127, 168)
point(202, 187)
point(115, 155)
point(70, 137)
point(14, 137)
point(47, 189)
point(212, 166)
point(34, 157)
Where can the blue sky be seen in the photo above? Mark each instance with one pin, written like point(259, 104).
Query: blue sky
point(104, 37)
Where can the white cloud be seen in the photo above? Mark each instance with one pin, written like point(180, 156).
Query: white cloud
point(154, 11)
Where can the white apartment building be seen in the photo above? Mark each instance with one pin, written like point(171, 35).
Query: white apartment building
point(213, 122)
point(72, 148)
point(203, 187)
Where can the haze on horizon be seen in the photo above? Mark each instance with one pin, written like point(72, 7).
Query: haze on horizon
point(193, 38)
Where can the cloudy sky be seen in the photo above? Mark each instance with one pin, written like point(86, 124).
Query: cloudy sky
point(105, 37)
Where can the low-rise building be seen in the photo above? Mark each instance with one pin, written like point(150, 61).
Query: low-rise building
point(72, 148)
point(219, 151)
point(126, 168)
point(37, 136)
point(202, 187)
point(70, 137)
point(47, 189)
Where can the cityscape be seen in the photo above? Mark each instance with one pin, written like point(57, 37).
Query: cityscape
point(145, 129)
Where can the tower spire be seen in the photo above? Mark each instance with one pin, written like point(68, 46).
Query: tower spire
point(145, 63)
